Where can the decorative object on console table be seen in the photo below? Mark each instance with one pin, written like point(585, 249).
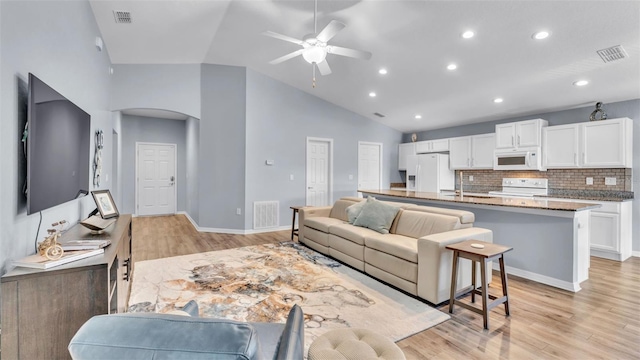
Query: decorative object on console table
point(50, 248)
point(97, 158)
point(598, 110)
point(105, 203)
point(40, 262)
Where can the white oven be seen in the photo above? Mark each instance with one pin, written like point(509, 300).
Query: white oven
point(518, 160)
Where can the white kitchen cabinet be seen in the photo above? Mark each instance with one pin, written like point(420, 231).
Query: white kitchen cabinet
point(471, 152)
point(404, 151)
point(431, 146)
point(596, 144)
point(607, 143)
point(561, 146)
point(610, 228)
point(521, 134)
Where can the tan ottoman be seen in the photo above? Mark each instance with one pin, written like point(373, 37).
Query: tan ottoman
point(353, 344)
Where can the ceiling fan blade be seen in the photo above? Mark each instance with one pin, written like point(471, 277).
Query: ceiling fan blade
point(324, 68)
point(358, 54)
point(286, 57)
point(330, 30)
point(283, 37)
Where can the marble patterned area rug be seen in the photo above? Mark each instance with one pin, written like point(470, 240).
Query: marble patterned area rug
point(261, 283)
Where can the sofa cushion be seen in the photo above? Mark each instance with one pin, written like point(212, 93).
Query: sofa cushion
point(351, 233)
point(417, 224)
point(339, 209)
point(466, 217)
point(165, 337)
point(377, 215)
point(315, 236)
point(401, 268)
point(400, 246)
point(346, 247)
point(354, 210)
point(321, 223)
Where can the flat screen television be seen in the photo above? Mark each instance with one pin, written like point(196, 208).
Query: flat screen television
point(58, 141)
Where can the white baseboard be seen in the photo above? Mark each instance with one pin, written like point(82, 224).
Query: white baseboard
point(561, 284)
point(635, 253)
point(231, 231)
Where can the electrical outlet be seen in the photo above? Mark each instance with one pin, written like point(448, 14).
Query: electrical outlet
point(470, 177)
point(609, 181)
point(238, 211)
point(589, 181)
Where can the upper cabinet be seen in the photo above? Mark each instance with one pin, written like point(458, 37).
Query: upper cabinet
point(404, 151)
point(521, 134)
point(471, 152)
point(596, 144)
point(431, 146)
point(607, 143)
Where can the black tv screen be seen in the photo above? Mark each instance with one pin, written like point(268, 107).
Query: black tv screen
point(59, 135)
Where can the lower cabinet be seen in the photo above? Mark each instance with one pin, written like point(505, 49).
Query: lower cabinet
point(610, 230)
point(43, 309)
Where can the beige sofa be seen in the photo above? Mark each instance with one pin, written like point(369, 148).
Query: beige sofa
point(412, 257)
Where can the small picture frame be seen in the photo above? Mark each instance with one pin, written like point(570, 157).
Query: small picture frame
point(105, 204)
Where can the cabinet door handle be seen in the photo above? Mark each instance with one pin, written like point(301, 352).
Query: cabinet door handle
point(518, 139)
point(584, 158)
point(468, 162)
point(513, 141)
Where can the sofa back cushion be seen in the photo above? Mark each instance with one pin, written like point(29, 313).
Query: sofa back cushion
point(339, 209)
point(417, 224)
point(466, 217)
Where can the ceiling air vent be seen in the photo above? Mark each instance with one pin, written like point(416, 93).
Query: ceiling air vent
point(612, 54)
point(378, 114)
point(122, 17)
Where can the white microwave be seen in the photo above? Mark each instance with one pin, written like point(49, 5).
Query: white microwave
point(518, 160)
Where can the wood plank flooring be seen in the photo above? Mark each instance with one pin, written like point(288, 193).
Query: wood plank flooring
point(600, 321)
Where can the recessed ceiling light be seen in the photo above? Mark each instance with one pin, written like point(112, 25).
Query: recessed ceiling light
point(581, 83)
point(498, 100)
point(468, 34)
point(372, 94)
point(541, 35)
point(418, 117)
point(382, 71)
point(452, 67)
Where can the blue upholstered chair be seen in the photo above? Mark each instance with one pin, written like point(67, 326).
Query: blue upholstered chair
point(168, 336)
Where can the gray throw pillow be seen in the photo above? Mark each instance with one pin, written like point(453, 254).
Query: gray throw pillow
point(354, 210)
point(377, 216)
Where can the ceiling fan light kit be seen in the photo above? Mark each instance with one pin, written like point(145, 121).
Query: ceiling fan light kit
point(315, 48)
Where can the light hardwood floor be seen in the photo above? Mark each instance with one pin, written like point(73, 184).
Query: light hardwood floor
point(600, 321)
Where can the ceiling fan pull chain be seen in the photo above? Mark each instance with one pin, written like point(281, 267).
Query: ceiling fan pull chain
point(313, 83)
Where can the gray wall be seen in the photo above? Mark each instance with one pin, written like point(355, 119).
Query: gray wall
point(55, 41)
point(192, 155)
point(222, 146)
point(630, 109)
point(279, 120)
point(151, 130)
point(167, 87)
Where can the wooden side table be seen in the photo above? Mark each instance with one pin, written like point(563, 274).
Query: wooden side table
point(294, 231)
point(483, 255)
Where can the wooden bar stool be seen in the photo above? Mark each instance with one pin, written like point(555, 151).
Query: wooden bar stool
point(294, 231)
point(482, 252)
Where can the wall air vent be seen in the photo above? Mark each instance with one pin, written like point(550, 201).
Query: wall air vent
point(122, 17)
point(378, 114)
point(612, 54)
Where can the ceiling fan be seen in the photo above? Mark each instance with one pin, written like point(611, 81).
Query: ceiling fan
point(315, 48)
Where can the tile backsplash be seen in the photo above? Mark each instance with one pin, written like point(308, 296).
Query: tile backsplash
point(559, 179)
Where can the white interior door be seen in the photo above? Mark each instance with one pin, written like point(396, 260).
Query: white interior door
point(156, 179)
point(319, 160)
point(369, 165)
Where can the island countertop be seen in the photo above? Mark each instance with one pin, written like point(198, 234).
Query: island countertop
point(526, 203)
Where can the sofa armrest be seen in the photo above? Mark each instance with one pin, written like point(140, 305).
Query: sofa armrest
point(291, 345)
point(308, 212)
point(435, 261)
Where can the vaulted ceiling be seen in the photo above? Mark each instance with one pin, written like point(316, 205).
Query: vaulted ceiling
point(414, 41)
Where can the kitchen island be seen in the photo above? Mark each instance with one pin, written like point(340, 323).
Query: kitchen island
point(550, 239)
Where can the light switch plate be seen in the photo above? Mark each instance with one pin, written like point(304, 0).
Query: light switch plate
point(470, 177)
point(609, 181)
point(589, 181)
point(291, 177)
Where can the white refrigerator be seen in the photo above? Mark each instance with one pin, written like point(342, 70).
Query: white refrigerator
point(430, 173)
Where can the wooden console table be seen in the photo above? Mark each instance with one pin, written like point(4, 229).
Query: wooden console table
point(43, 309)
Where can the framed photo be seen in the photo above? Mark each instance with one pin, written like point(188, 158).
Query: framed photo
point(105, 204)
